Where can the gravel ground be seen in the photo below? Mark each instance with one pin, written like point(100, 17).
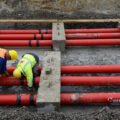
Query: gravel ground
point(24, 114)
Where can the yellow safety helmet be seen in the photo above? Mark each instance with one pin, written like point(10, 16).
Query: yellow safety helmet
point(13, 54)
point(17, 73)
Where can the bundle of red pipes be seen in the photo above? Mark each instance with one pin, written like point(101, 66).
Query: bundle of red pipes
point(69, 98)
point(74, 37)
point(74, 80)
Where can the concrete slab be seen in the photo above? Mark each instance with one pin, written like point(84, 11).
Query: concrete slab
point(58, 36)
point(49, 86)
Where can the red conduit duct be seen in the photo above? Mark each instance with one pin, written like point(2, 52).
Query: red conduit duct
point(76, 69)
point(27, 31)
point(25, 36)
point(12, 81)
point(46, 31)
point(92, 35)
point(82, 80)
point(46, 43)
point(65, 81)
point(49, 36)
point(25, 43)
point(99, 30)
point(93, 42)
point(70, 98)
point(89, 98)
point(22, 99)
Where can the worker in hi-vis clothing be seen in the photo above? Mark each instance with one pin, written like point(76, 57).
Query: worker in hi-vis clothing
point(27, 63)
point(4, 56)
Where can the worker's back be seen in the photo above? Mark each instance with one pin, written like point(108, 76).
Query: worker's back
point(31, 58)
point(26, 63)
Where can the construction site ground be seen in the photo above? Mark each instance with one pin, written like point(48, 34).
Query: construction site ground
point(87, 55)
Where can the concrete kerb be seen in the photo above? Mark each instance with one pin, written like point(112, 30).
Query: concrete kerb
point(49, 86)
point(58, 37)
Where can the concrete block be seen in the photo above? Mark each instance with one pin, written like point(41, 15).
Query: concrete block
point(58, 36)
point(49, 86)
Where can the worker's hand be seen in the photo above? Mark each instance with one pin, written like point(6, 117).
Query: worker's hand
point(7, 74)
point(3, 75)
point(29, 88)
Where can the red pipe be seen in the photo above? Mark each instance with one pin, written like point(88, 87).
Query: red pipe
point(22, 99)
point(82, 80)
point(89, 98)
point(25, 36)
point(26, 31)
point(76, 69)
point(65, 81)
point(24, 43)
point(92, 35)
point(49, 36)
point(8, 99)
point(10, 70)
point(70, 98)
point(46, 43)
point(99, 30)
point(93, 42)
point(12, 81)
point(9, 81)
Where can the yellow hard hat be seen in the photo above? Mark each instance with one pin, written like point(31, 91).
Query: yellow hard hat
point(13, 54)
point(17, 73)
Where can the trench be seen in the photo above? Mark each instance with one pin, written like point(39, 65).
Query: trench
point(85, 55)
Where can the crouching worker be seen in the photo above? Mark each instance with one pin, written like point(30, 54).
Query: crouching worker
point(27, 63)
point(4, 56)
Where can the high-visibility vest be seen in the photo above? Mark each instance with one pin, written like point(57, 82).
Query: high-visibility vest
point(25, 65)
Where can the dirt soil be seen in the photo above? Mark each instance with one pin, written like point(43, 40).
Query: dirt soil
point(97, 55)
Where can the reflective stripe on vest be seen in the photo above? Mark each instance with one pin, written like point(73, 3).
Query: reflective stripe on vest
point(29, 61)
point(30, 84)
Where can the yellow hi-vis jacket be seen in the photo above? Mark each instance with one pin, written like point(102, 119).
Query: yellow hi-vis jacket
point(25, 65)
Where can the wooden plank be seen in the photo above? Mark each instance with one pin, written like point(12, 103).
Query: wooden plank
point(28, 21)
point(55, 20)
point(89, 20)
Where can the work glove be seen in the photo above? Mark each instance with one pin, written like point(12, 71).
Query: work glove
point(29, 89)
point(7, 74)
